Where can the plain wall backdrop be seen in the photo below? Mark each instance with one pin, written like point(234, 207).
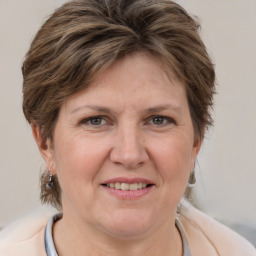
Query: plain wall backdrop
point(226, 170)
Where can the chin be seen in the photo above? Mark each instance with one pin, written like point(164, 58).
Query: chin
point(128, 224)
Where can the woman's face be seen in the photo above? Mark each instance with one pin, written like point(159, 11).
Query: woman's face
point(123, 149)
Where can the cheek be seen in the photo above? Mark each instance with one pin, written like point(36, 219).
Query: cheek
point(173, 159)
point(79, 159)
point(77, 164)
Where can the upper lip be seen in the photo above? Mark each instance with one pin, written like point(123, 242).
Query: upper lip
point(127, 180)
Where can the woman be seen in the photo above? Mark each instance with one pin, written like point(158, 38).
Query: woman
point(118, 95)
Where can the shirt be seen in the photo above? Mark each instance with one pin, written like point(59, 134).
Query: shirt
point(51, 250)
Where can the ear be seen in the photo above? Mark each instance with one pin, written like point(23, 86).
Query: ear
point(45, 147)
point(196, 148)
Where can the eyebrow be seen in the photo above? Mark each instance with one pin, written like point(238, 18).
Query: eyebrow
point(93, 107)
point(146, 111)
point(162, 108)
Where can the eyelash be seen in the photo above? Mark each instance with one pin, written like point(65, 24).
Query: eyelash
point(166, 119)
point(89, 120)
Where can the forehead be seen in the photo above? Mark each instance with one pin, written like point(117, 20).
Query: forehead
point(137, 78)
point(141, 65)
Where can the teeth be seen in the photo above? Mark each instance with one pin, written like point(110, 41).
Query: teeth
point(117, 185)
point(133, 186)
point(126, 186)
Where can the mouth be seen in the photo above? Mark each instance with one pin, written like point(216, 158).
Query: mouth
point(128, 186)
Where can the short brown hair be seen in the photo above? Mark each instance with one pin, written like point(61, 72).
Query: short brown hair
point(83, 37)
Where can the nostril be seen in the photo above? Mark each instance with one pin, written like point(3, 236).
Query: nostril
point(129, 153)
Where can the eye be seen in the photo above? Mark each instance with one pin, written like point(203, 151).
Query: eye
point(158, 120)
point(161, 120)
point(94, 121)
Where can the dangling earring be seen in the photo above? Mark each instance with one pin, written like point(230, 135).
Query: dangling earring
point(192, 179)
point(49, 185)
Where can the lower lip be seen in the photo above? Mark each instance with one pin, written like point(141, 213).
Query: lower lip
point(128, 194)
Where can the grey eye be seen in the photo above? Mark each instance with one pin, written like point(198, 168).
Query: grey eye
point(96, 121)
point(158, 120)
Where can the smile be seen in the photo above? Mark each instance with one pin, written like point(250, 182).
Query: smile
point(127, 187)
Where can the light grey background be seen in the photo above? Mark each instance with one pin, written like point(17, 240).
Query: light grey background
point(226, 187)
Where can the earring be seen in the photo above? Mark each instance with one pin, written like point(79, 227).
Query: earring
point(50, 184)
point(192, 179)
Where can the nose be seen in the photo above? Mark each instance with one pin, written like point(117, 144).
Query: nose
point(129, 148)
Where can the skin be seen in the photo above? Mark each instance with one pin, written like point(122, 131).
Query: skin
point(134, 122)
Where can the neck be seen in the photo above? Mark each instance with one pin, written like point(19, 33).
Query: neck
point(73, 239)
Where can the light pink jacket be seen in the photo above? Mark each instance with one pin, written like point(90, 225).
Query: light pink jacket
point(206, 237)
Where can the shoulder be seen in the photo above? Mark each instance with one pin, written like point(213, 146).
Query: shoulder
point(206, 236)
point(24, 237)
